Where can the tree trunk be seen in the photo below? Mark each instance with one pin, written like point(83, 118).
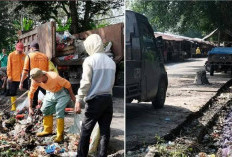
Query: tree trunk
point(74, 16)
point(87, 13)
point(201, 78)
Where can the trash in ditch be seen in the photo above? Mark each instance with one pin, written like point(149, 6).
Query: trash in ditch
point(167, 119)
point(203, 154)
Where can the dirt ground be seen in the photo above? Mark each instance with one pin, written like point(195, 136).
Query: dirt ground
point(143, 123)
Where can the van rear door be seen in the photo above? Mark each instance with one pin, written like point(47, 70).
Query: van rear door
point(133, 58)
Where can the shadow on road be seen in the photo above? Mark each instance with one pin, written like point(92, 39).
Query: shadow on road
point(143, 122)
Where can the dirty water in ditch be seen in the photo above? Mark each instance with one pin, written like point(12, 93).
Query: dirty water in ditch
point(206, 133)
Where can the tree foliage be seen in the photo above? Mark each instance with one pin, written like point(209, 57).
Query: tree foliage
point(6, 28)
point(82, 13)
point(191, 18)
point(75, 16)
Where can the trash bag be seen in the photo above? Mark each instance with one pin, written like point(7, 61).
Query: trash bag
point(95, 136)
point(79, 46)
point(22, 105)
point(67, 35)
point(94, 139)
point(108, 47)
point(76, 128)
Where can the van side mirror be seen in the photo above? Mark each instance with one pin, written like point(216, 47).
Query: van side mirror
point(159, 42)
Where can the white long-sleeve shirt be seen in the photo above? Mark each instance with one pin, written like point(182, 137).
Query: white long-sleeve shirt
point(98, 71)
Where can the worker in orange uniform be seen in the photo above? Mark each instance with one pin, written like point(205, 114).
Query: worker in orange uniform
point(14, 69)
point(58, 95)
point(34, 59)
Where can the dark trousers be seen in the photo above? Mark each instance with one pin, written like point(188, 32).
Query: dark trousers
point(99, 109)
point(35, 99)
point(13, 87)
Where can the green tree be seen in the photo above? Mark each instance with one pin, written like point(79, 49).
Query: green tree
point(192, 18)
point(82, 13)
point(8, 36)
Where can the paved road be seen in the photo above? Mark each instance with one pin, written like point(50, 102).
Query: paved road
point(143, 122)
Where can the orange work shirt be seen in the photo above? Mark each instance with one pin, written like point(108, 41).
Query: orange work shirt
point(37, 60)
point(15, 65)
point(54, 84)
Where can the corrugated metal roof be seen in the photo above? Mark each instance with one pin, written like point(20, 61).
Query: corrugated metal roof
point(173, 37)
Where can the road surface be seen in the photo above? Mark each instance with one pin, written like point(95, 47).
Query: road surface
point(143, 122)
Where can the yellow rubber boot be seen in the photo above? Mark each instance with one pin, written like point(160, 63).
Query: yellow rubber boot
point(60, 130)
point(13, 105)
point(48, 125)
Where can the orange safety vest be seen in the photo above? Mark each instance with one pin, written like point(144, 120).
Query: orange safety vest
point(36, 60)
point(15, 65)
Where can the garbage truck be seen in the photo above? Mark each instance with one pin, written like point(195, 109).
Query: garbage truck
point(146, 77)
point(66, 50)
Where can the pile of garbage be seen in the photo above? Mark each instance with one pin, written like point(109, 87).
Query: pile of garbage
point(72, 48)
point(69, 44)
point(18, 138)
point(226, 136)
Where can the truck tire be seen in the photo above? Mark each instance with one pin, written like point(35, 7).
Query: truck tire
point(158, 101)
point(207, 67)
point(211, 70)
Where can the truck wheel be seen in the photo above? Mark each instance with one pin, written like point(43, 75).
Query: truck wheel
point(207, 67)
point(158, 101)
point(211, 70)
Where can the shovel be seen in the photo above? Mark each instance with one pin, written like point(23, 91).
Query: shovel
point(9, 104)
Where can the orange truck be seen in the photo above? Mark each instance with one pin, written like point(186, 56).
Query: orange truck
point(45, 35)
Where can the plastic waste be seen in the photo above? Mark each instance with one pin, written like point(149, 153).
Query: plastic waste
point(76, 128)
point(108, 47)
point(76, 56)
point(67, 35)
point(58, 37)
point(94, 138)
point(167, 119)
point(69, 154)
point(61, 58)
point(29, 119)
point(79, 46)
point(39, 150)
point(22, 105)
point(54, 149)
